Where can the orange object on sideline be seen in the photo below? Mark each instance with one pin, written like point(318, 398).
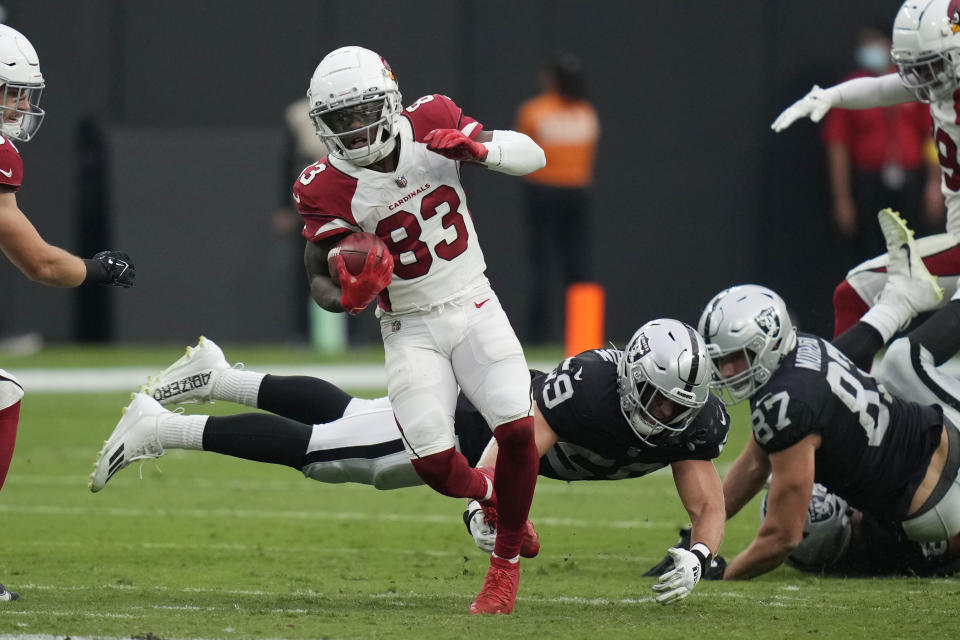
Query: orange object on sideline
point(585, 308)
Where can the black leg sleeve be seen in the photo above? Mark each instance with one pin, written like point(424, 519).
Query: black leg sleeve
point(259, 437)
point(302, 398)
point(860, 343)
point(940, 334)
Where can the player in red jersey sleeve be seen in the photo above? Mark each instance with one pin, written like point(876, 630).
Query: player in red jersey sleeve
point(395, 172)
point(20, 86)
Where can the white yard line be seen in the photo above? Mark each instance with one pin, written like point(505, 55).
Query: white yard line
point(106, 379)
point(262, 514)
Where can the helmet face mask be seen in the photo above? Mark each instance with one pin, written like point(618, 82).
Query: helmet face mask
point(926, 48)
point(748, 332)
point(663, 378)
point(355, 105)
point(931, 76)
point(20, 110)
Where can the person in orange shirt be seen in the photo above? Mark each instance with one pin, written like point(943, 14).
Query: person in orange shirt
point(565, 125)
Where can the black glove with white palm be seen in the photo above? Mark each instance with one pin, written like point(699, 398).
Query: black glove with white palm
point(677, 583)
point(718, 564)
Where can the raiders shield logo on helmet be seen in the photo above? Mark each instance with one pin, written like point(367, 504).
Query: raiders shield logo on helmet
point(768, 320)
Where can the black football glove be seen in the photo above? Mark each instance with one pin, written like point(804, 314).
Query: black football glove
point(714, 571)
point(111, 268)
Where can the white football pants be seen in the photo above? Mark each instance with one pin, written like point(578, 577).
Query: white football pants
point(468, 342)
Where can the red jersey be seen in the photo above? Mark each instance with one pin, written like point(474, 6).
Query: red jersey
point(881, 136)
point(11, 165)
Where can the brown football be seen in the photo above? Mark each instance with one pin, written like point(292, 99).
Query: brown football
point(354, 249)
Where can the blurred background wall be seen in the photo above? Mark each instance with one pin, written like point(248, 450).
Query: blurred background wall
point(693, 190)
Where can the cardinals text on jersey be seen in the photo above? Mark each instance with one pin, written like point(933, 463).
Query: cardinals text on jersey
point(419, 210)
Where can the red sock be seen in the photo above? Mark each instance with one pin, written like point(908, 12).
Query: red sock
point(515, 479)
point(848, 306)
point(449, 473)
point(9, 418)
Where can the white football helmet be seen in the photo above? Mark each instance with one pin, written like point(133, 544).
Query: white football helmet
point(21, 83)
point(826, 531)
point(753, 321)
point(926, 47)
point(355, 105)
point(663, 378)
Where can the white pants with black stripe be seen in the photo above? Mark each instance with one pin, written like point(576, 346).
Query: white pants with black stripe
point(908, 372)
point(363, 446)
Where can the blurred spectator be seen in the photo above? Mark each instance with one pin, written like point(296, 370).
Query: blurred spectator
point(565, 125)
point(881, 157)
point(302, 147)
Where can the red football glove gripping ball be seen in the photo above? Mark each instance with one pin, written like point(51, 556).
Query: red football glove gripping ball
point(360, 290)
point(456, 145)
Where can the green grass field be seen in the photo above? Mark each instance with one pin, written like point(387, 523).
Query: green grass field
point(205, 546)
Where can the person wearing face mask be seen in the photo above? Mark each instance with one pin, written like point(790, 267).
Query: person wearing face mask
point(880, 157)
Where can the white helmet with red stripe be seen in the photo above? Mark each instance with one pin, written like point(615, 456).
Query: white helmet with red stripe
point(22, 84)
point(355, 104)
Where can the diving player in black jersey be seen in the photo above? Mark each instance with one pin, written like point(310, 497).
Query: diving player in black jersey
point(601, 415)
point(817, 416)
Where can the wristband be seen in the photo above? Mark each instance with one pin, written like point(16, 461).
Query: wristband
point(96, 272)
point(703, 554)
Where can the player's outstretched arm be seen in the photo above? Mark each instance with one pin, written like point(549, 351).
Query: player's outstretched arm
point(787, 503)
point(50, 265)
point(858, 93)
point(702, 494)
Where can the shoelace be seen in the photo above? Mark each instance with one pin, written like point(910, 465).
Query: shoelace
point(152, 450)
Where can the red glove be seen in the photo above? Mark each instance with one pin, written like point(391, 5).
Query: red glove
point(456, 145)
point(359, 291)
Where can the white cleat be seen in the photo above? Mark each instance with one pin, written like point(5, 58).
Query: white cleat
point(908, 281)
point(134, 438)
point(190, 379)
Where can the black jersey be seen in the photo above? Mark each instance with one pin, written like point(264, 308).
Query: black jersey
point(875, 448)
point(580, 401)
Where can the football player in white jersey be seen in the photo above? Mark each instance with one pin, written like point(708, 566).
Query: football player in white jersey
point(926, 51)
point(21, 84)
point(395, 172)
